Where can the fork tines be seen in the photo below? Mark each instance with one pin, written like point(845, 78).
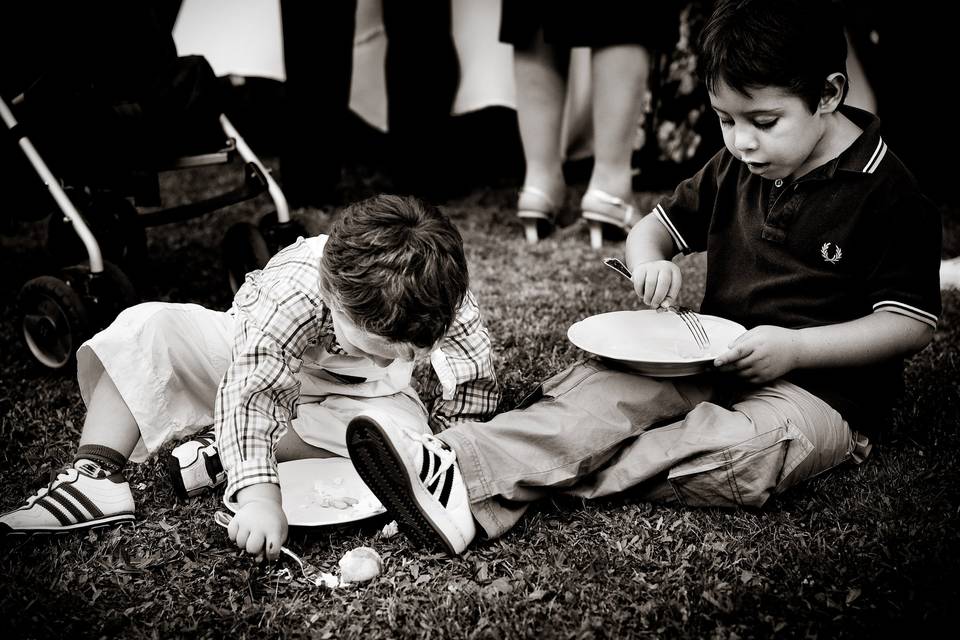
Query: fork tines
point(692, 320)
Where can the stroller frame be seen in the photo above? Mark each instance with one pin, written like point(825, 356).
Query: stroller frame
point(59, 313)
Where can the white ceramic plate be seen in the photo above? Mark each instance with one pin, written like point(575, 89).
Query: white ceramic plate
point(325, 491)
point(654, 343)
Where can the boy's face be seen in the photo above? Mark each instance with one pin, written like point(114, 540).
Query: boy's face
point(357, 342)
point(771, 130)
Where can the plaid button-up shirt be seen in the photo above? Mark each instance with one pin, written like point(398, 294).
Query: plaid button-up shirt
point(280, 313)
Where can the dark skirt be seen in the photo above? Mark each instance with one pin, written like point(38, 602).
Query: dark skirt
point(597, 23)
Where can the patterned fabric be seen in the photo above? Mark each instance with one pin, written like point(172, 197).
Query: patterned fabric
point(280, 313)
point(678, 131)
point(328, 338)
point(467, 387)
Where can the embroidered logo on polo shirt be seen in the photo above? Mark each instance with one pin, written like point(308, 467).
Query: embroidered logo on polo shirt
point(825, 252)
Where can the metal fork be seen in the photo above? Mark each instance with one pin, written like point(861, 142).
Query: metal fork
point(310, 572)
point(689, 317)
point(692, 320)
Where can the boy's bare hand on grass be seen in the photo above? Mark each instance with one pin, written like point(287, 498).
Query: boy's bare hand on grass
point(260, 528)
point(762, 354)
point(657, 282)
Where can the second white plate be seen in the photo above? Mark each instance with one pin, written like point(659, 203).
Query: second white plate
point(319, 492)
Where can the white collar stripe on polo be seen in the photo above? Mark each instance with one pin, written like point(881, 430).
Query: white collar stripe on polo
point(877, 156)
point(672, 230)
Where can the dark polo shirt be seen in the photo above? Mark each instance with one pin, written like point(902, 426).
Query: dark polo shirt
point(852, 237)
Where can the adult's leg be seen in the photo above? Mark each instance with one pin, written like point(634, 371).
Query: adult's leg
point(540, 73)
point(619, 76)
point(585, 416)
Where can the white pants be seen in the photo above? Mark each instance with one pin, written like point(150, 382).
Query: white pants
point(167, 361)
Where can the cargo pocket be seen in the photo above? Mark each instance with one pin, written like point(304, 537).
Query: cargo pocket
point(561, 383)
point(565, 381)
point(742, 475)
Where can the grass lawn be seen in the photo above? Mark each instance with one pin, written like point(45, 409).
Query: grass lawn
point(868, 551)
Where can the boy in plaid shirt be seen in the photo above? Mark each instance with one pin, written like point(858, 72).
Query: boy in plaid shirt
point(330, 327)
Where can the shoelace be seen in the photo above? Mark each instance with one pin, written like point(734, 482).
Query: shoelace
point(438, 448)
point(66, 475)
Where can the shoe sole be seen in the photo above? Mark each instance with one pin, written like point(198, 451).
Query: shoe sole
point(381, 468)
point(118, 519)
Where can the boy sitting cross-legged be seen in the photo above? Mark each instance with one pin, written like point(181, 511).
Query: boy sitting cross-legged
point(330, 328)
point(818, 241)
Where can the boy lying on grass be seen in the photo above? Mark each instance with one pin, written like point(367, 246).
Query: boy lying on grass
point(818, 241)
point(330, 328)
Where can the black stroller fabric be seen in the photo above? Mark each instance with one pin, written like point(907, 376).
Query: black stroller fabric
point(104, 91)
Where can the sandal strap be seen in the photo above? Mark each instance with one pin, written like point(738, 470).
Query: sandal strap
point(534, 203)
point(540, 194)
point(603, 196)
point(613, 201)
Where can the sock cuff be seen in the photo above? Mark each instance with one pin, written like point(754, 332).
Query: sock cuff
point(108, 458)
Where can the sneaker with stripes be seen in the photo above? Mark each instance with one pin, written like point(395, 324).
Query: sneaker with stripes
point(194, 466)
point(417, 479)
point(78, 497)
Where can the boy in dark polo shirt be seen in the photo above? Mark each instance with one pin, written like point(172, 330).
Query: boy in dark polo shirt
point(818, 241)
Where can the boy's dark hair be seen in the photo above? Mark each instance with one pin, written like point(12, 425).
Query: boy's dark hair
point(792, 44)
point(395, 265)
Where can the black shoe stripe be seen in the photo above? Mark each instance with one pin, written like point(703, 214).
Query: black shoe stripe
point(433, 487)
point(84, 501)
point(173, 470)
point(65, 502)
point(59, 515)
point(447, 486)
point(213, 465)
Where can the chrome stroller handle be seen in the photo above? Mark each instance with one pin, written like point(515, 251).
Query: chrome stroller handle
point(59, 195)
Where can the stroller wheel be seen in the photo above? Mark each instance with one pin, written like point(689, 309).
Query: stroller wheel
point(280, 234)
point(54, 319)
point(105, 294)
point(244, 250)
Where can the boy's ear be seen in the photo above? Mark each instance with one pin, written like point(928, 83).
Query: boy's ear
point(834, 89)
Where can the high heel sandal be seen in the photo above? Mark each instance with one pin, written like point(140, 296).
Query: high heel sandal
point(600, 208)
point(537, 211)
